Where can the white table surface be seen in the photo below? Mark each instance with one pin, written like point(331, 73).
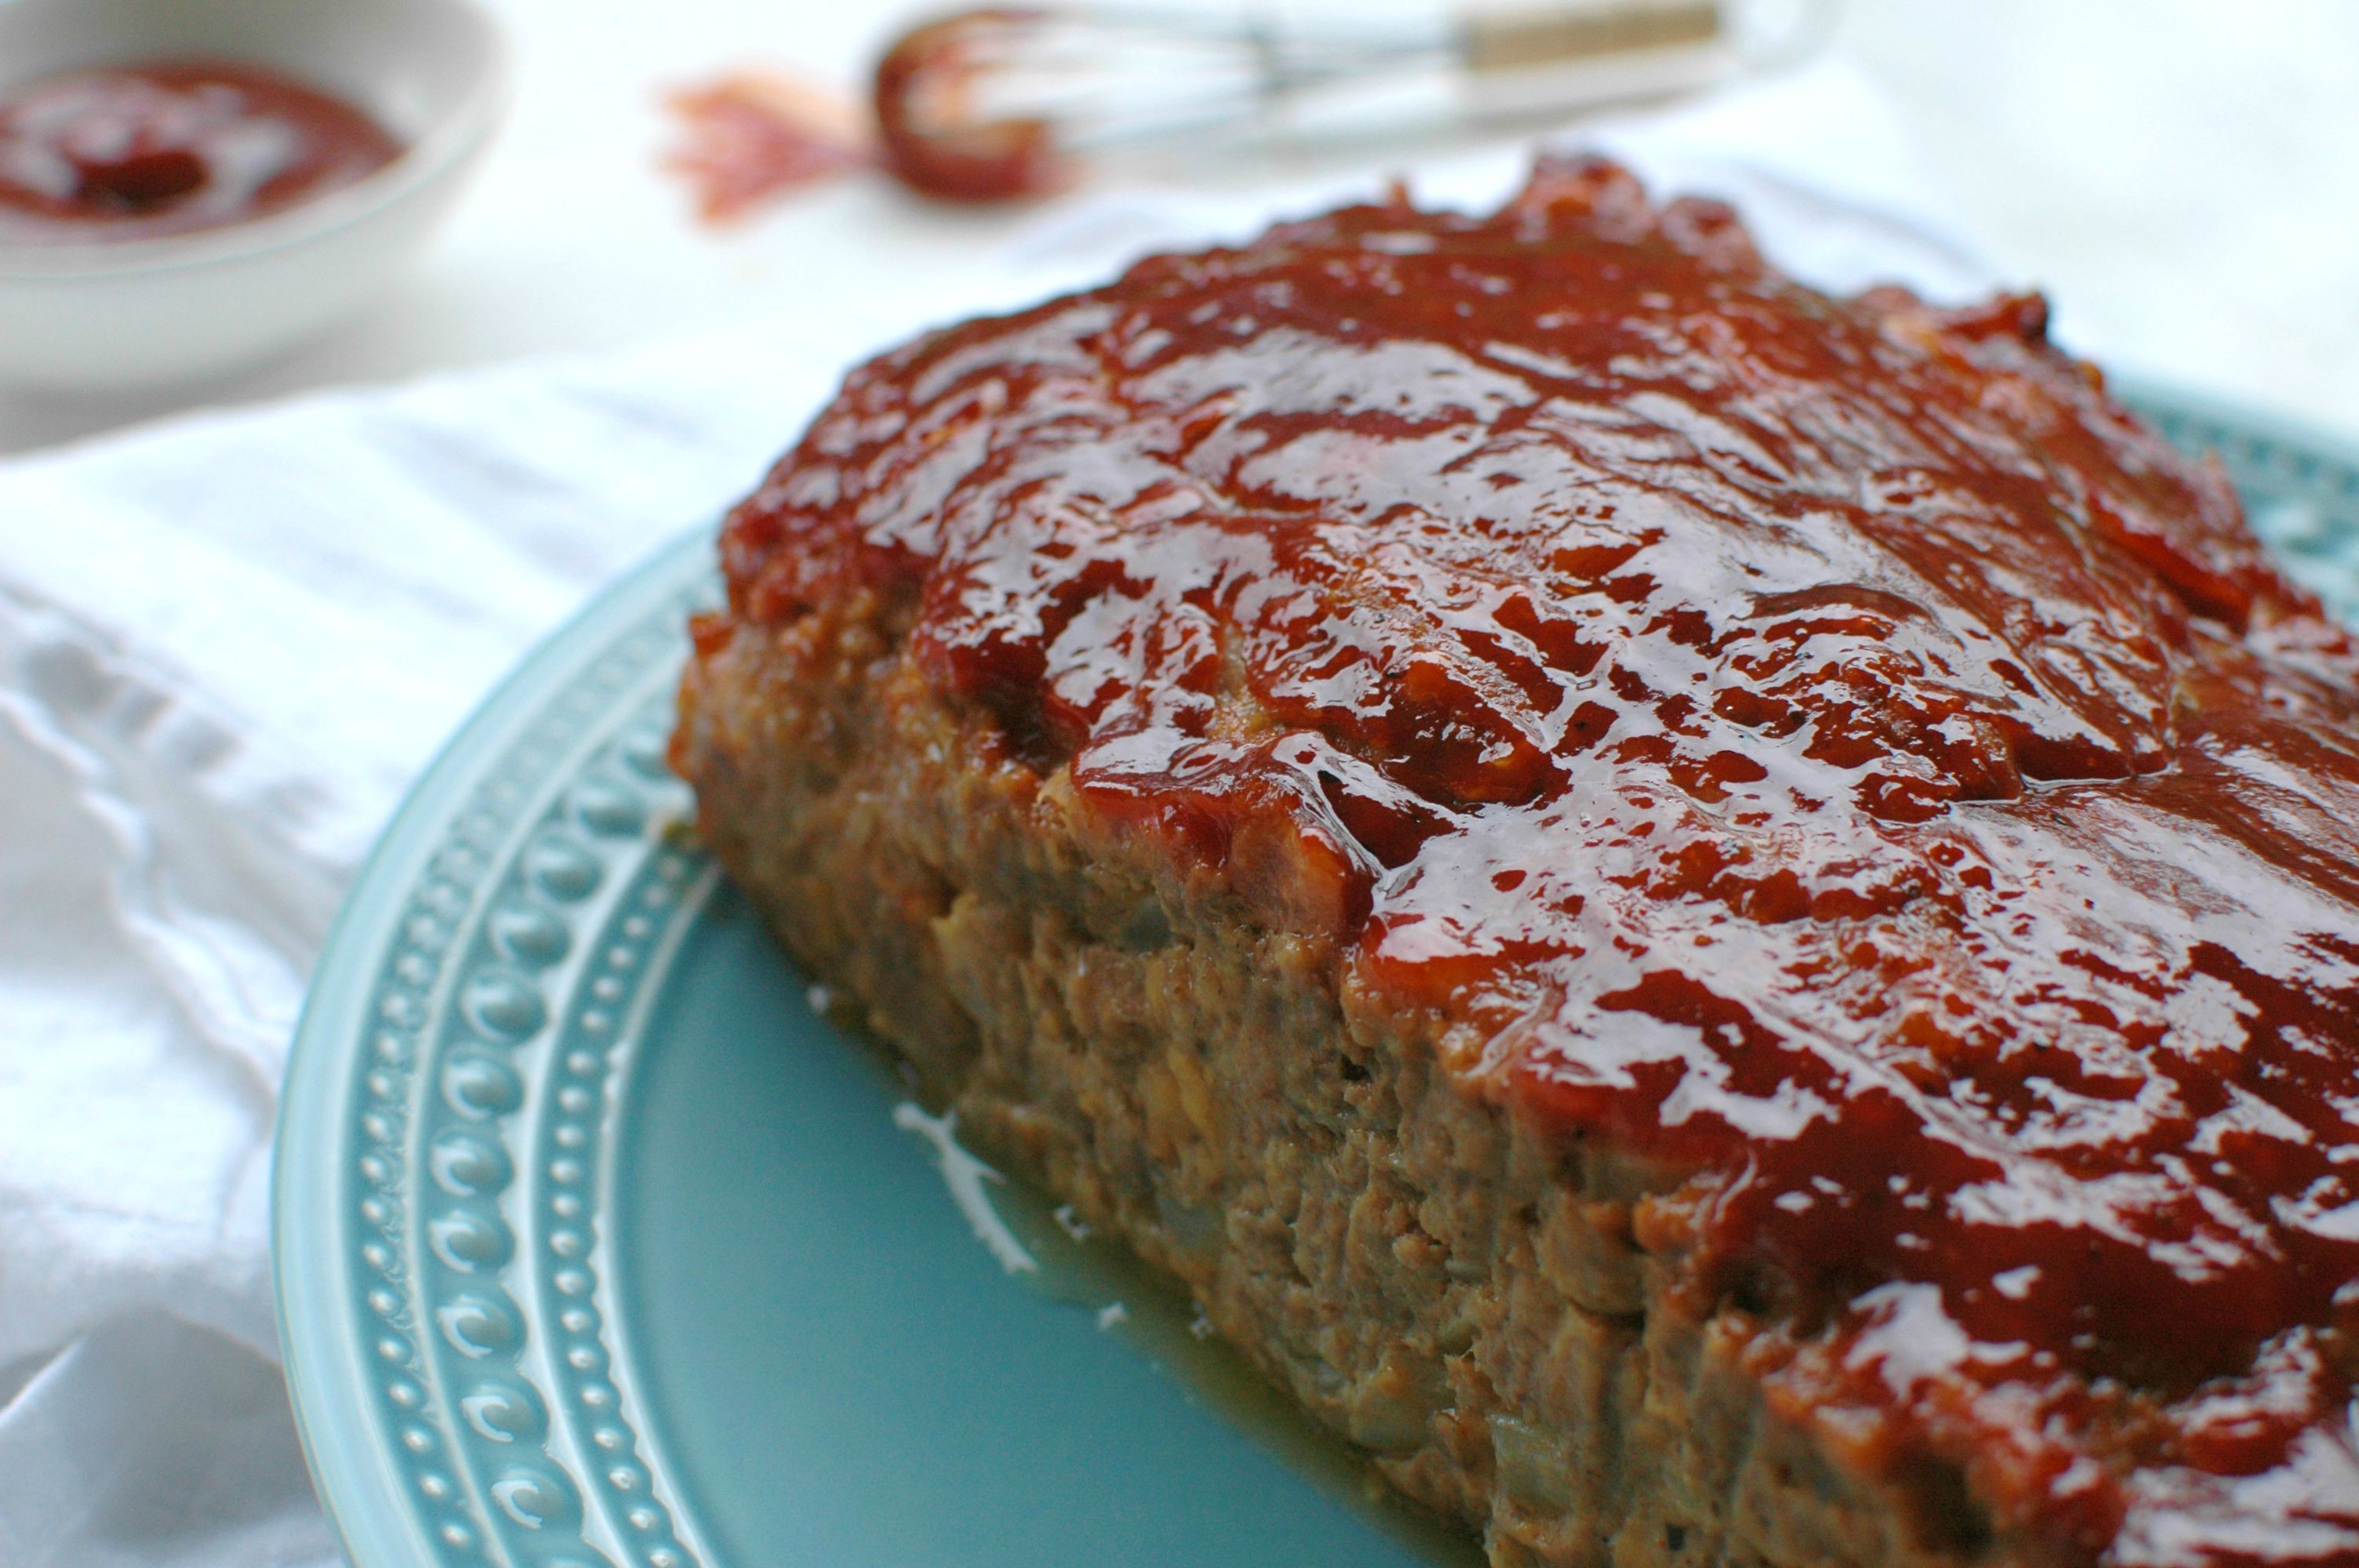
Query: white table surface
point(2182, 176)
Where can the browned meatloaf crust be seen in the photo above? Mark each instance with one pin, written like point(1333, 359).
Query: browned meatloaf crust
point(1723, 922)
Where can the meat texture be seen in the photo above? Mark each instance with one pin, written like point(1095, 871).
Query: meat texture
point(1723, 922)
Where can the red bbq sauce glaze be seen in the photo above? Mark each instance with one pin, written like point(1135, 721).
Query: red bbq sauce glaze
point(1824, 744)
point(140, 151)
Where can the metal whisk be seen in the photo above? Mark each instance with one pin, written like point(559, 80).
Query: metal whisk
point(1000, 103)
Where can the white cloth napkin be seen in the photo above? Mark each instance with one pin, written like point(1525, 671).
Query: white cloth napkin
point(227, 645)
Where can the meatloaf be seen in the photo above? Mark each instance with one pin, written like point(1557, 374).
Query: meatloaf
point(1723, 922)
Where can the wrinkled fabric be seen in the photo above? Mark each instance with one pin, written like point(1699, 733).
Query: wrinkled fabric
point(228, 643)
point(226, 648)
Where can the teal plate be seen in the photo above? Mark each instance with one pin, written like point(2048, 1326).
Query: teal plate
point(596, 1243)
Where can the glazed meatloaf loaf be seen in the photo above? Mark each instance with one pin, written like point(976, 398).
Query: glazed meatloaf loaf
point(1722, 923)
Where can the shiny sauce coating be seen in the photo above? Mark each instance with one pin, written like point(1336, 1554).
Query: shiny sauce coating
point(137, 152)
point(1824, 745)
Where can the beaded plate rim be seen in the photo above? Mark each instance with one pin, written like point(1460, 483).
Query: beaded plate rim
point(445, 1138)
point(419, 1188)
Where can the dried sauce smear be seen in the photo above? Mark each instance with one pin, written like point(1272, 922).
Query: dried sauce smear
point(755, 136)
point(1824, 744)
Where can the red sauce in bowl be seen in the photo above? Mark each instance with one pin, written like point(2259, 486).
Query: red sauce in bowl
point(135, 152)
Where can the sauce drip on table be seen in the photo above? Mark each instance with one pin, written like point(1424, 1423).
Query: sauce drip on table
point(755, 135)
point(136, 152)
point(1826, 744)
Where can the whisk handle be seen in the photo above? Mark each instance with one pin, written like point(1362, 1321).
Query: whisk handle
point(1520, 39)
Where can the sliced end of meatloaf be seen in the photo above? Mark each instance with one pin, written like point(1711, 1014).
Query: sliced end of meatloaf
point(1723, 923)
point(1444, 1280)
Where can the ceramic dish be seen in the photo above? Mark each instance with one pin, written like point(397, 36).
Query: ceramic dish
point(596, 1243)
point(148, 313)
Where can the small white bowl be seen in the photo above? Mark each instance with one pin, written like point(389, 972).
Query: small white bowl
point(105, 316)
